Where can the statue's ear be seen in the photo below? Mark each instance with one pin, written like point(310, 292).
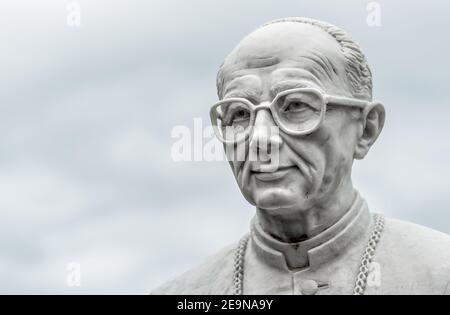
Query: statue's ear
point(373, 117)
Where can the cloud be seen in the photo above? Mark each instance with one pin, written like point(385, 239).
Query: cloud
point(87, 114)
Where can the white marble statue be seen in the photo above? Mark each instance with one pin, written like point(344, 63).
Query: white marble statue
point(312, 232)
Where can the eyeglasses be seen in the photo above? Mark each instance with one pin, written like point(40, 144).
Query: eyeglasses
point(297, 112)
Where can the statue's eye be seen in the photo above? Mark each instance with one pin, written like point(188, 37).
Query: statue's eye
point(240, 115)
point(236, 114)
point(295, 106)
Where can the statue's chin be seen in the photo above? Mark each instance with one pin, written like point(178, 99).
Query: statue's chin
point(275, 199)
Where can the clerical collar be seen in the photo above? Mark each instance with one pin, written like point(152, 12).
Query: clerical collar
point(316, 250)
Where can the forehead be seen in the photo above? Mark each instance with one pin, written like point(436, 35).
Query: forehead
point(286, 51)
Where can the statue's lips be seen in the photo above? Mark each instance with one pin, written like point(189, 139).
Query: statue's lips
point(268, 173)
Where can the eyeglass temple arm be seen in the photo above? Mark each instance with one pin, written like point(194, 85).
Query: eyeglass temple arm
point(346, 101)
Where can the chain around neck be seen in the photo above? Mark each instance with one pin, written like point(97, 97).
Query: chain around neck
point(363, 271)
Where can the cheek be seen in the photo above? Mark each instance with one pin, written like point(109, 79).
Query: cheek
point(338, 150)
point(334, 162)
point(236, 156)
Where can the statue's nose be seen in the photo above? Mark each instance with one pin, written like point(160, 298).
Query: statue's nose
point(265, 137)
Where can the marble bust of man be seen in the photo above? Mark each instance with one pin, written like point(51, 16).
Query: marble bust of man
point(312, 232)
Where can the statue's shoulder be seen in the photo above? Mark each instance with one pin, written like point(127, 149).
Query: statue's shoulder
point(213, 276)
point(418, 245)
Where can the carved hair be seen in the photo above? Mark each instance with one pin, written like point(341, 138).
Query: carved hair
point(357, 69)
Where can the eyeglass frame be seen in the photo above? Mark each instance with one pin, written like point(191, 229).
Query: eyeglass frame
point(325, 98)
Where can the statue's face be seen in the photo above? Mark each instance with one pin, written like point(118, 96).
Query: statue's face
point(309, 168)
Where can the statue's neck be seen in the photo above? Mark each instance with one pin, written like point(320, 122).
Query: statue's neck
point(296, 225)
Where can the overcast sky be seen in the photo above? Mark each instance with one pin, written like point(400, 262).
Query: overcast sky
point(86, 174)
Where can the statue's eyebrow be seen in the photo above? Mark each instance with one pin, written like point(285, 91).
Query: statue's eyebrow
point(244, 93)
point(287, 85)
point(295, 75)
point(239, 84)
